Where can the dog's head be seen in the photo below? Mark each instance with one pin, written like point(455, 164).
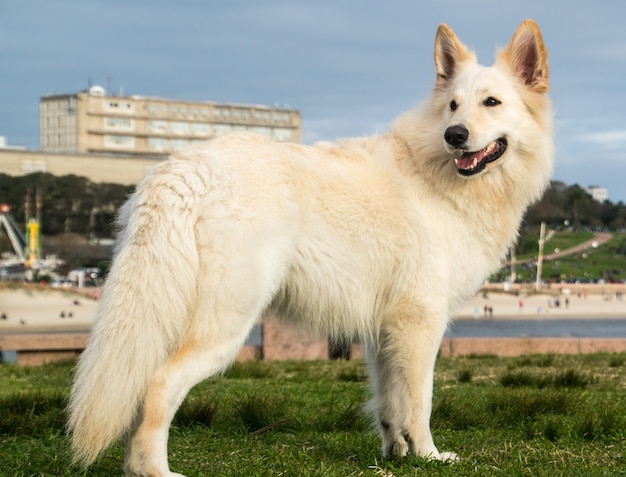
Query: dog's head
point(490, 111)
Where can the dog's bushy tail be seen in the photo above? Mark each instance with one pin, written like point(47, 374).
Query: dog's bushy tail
point(143, 309)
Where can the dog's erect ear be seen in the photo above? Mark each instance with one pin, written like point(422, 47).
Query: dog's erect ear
point(528, 56)
point(449, 52)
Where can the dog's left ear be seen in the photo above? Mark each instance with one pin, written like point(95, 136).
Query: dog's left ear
point(528, 57)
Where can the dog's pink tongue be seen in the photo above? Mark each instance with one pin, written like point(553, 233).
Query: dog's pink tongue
point(470, 159)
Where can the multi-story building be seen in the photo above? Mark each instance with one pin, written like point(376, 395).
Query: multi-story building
point(92, 121)
point(599, 194)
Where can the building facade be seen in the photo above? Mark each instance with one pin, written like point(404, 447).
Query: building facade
point(93, 122)
point(598, 193)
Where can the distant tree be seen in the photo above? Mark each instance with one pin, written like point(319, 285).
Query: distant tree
point(69, 204)
point(581, 206)
point(613, 215)
point(550, 208)
point(109, 198)
point(573, 204)
point(73, 204)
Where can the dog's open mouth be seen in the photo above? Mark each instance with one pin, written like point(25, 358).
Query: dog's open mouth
point(474, 162)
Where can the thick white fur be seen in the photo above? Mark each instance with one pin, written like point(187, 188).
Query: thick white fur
point(376, 238)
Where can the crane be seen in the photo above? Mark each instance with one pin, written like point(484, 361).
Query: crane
point(16, 237)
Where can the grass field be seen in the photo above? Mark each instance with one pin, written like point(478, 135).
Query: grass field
point(544, 415)
point(607, 261)
point(558, 240)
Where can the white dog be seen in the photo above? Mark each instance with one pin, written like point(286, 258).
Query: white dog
point(375, 238)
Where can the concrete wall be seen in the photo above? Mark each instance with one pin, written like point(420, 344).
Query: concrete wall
point(281, 342)
point(126, 170)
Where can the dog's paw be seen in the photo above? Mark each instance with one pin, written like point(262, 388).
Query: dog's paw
point(400, 448)
point(447, 457)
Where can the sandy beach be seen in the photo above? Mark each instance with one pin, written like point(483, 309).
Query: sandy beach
point(34, 308)
point(572, 303)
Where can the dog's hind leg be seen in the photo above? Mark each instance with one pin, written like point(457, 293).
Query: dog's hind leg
point(202, 354)
point(401, 368)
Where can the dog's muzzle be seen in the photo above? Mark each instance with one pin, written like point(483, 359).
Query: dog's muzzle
point(473, 162)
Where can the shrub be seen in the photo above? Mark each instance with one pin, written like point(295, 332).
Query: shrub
point(195, 411)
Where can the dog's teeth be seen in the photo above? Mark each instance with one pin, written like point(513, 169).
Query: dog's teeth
point(475, 163)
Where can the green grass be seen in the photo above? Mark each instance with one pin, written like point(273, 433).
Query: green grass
point(540, 415)
point(607, 261)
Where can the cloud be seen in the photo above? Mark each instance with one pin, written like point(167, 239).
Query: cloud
point(608, 139)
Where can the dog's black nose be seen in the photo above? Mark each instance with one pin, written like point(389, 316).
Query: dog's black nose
point(456, 136)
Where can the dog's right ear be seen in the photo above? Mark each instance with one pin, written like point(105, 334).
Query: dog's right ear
point(449, 52)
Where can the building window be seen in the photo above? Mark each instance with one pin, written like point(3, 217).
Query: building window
point(157, 109)
point(200, 129)
point(118, 106)
point(179, 143)
point(200, 112)
point(179, 127)
point(281, 117)
point(157, 143)
point(28, 167)
point(178, 110)
point(221, 113)
point(282, 134)
point(221, 129)
point(263, 116)
point(263, 131)
point(118, 123)
point(126, 142)
point(157, 126)
point(241, 115)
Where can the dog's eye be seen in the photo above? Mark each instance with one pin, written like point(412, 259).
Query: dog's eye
point(453, 105)
point(491, 101)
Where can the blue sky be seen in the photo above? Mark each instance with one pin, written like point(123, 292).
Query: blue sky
point(350, 67)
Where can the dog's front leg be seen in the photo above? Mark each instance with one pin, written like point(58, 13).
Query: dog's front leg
point(401, 367)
